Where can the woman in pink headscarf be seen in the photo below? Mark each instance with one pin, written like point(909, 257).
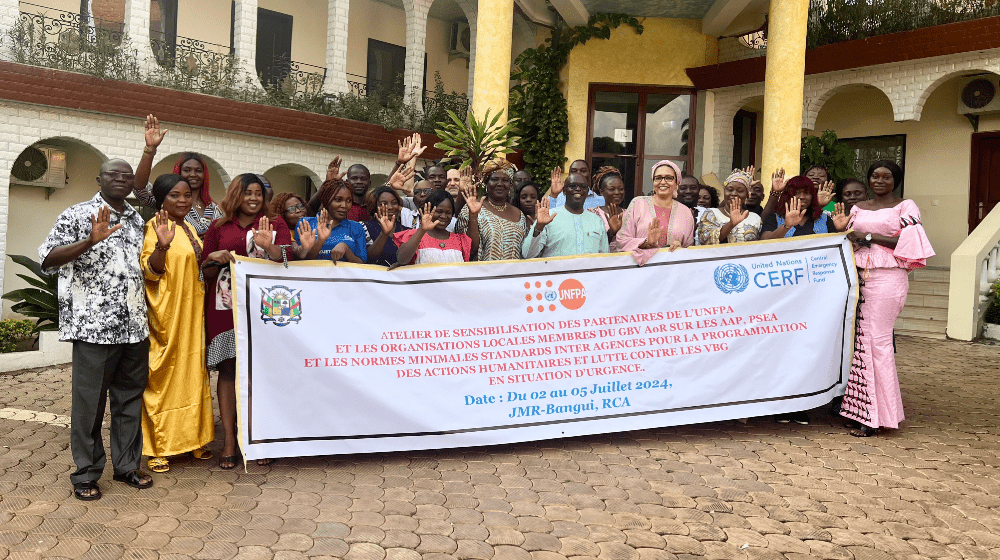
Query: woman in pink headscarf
point(655, 221)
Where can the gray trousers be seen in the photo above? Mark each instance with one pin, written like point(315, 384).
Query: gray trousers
point(100, 370)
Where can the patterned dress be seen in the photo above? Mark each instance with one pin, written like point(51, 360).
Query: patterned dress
point(873, 397)
point(710, 226)
point(499, 238)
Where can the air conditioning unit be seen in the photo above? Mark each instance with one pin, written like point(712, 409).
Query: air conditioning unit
point(979, 95)
point(40, 166)
point(460, 43)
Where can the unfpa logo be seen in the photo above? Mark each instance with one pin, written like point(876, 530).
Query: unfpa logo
point(543, 297)
point(732, 278)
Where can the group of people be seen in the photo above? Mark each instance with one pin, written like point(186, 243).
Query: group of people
point(133, 296)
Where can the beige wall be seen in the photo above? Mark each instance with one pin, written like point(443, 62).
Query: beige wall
point(205, 20)
point(659, 56)
point(64, 5)
point(31, 216)
point(308, 28)
point(379, 21)
point(289, 178)
point(938, 154)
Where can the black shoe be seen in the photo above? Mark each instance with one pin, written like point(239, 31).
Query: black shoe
point(783, 418)
point(835, 406)
point(800, 418)
point(134, 479)
point(87, 486)
point(864, 431)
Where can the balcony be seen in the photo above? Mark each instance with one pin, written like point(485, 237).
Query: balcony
point(835, 21)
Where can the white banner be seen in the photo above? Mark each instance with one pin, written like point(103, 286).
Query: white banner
point(356, 359)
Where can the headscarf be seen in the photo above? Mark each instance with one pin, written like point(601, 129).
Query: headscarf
point(501, 165)
point(661, 163)
point(739, 176)
point(603, 172)
point(188, 156)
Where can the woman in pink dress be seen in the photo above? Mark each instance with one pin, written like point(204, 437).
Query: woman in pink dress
point(890, 242)
point(656, 221)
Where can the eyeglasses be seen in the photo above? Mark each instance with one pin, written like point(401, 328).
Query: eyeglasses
point(663, 179)
point(115, 175)
point(422, 192)
point(294, 209)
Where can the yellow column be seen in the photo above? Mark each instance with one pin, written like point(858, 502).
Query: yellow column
point(491, 81)
point(783, 84)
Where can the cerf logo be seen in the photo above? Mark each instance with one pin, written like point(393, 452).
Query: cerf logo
point(543, 297)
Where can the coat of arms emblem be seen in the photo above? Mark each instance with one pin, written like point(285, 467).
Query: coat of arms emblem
point(280, 305)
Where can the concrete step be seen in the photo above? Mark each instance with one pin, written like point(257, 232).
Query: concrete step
point(926, 300)
point(930, 313)
point(921, 334)
point(929, 288)
point(931, 274)
point(927, 326)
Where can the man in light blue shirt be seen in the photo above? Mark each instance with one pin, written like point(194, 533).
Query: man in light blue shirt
point(557, 198)
point(569, 231)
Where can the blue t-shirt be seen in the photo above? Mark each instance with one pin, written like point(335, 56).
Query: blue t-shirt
point(351, 233)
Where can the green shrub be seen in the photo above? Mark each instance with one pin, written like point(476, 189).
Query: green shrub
point(993, 311)
point(13, 331)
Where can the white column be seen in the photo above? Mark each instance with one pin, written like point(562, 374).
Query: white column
point(337, 13)
point(8, 18)
point(137, 27)
point(245, 38)
point(416, 39)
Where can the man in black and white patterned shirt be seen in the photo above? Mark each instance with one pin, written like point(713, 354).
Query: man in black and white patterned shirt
point(95, 247)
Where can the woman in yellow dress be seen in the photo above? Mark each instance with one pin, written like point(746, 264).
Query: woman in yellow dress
point(177, 405)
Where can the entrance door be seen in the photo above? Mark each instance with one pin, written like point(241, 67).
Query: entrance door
point(633, 127)
point(984, 183)
point(274, 46)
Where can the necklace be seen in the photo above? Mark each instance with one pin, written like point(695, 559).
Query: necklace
point(495, 207)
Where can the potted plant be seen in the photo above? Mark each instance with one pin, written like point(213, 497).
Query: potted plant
point(476, 141)
point(41, 300)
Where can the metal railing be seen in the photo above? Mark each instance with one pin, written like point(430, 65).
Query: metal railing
point(295, 79)
point(361, 86)
point(835, 21)
point(200, 63)
point(70, 41)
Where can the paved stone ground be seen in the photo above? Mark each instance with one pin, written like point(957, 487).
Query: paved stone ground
point(722, 490)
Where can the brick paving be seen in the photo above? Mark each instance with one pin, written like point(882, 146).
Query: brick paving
point(721, 490)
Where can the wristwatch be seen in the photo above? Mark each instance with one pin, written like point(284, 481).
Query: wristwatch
point(868, 238)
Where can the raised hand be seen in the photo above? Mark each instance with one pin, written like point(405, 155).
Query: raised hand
point(840, 220)
point(778, 180)
point(542, 215)
point(795, 213)
point(474, 203)
point(307, 237)
point(427, 221)
point(401, 178)
point(386, 220)
point(164, 228)
point(153, 133)
point(323, 227)
point(750, 170)
point(333, 170)
point(409, 148)
point(825, 194)
point(736, 212)
point(615, 216)
point(262, 234)
point(465, 180)
point(557, 182)
point(655, 231)
point(100, 226)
